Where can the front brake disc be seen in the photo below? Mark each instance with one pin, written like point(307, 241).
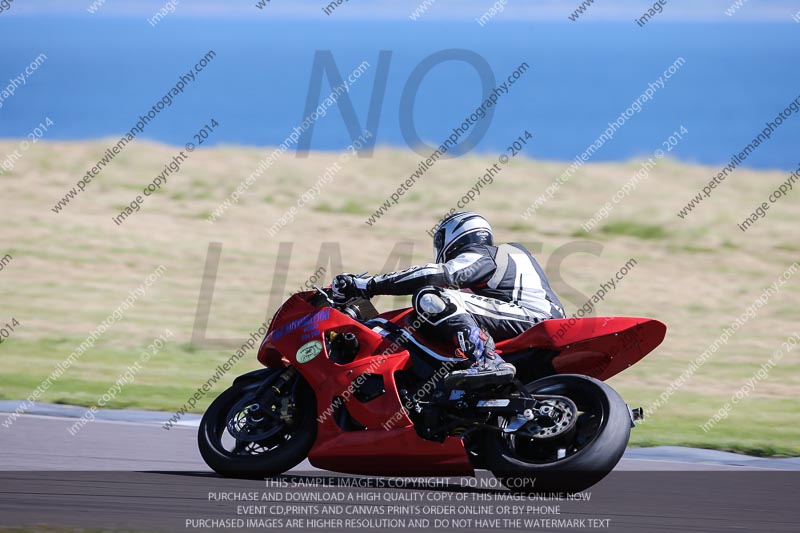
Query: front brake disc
point(248, 422)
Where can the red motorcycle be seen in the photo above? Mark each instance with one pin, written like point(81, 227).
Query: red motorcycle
point(359, 392)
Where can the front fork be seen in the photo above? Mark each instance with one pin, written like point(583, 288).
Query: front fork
point(277, 381)
point(274, 384)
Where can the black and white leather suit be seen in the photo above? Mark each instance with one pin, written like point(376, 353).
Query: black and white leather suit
point(500, 289)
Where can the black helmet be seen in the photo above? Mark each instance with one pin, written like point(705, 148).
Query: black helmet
point(458, 230)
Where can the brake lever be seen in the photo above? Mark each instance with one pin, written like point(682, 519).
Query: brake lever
point(328, 298)
point(325, 294)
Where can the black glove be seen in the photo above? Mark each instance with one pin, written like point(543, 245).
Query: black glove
point(345, 287)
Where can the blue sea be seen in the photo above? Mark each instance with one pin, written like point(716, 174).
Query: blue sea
point(102, 73)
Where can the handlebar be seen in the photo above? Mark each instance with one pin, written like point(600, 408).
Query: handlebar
point(360, 309)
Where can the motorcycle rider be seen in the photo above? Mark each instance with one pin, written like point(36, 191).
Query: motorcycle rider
point(474, 293)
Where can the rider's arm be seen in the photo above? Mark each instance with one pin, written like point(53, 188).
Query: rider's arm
point(466, 270)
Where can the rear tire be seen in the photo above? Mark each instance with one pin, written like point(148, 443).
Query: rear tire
point(281, 451)
point(591, 451)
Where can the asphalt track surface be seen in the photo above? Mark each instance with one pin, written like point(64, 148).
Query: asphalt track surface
point(139, 476)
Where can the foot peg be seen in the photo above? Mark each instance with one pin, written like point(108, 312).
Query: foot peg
point(475, 377)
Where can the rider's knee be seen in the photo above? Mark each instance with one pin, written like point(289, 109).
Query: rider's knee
point(432, 304)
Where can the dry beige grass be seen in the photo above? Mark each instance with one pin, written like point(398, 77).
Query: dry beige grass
point(71, 269)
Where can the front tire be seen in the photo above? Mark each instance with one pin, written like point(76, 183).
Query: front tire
point(575, 460)
point(245, 436)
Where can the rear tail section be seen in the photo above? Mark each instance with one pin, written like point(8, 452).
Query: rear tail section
point(597, 347)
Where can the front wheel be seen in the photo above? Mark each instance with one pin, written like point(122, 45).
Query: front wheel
point(583, 444)
point(262, 428)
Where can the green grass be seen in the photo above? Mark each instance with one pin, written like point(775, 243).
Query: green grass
point(519, 226)
point(694, 249)
point(788, 247)
point(71, 270)
point(756, 426)
point(635, 229)
point(163, 384)
point(351, 207)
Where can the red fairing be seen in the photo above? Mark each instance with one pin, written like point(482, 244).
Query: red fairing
point(389, 445)
point(294, 308)
point(599, 347)
point(390, 439)
point(385, 446)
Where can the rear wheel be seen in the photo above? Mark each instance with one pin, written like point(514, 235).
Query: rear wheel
point(255, 431)
point(573, 448)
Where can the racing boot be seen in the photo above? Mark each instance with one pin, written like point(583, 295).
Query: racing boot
point(488, 368)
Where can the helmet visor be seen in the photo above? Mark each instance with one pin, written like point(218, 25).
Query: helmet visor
point(438, 244)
